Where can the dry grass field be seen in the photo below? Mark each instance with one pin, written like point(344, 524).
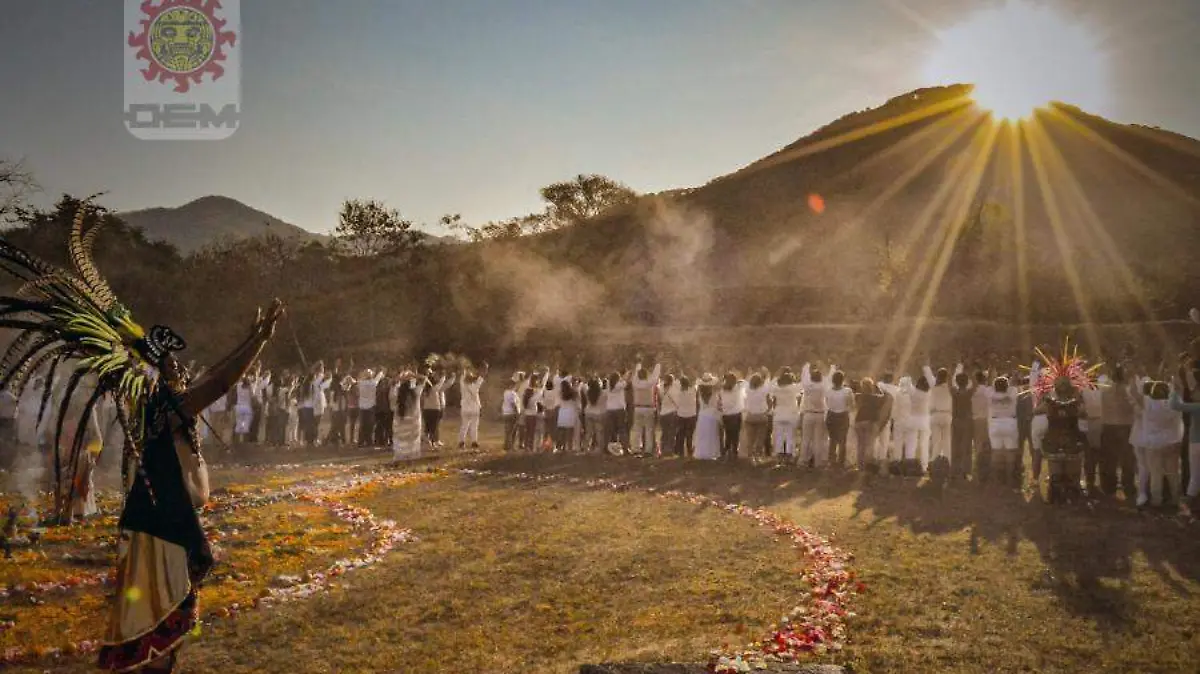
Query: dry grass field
point(521, 577)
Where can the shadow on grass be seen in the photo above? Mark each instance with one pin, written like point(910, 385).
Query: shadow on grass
point(1088, 552)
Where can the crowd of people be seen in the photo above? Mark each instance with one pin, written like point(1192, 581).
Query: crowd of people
point(980, 425)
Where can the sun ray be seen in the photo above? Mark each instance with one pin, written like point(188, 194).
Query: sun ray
point(920, 226)
point(860, 133)
point(1121, 155)
point(1099, 233)
point(1058, 229)
point(965, 121)
point(1017, 175)
point(958, 219)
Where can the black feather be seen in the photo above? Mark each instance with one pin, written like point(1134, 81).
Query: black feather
point(77, 443)
point(63, 408)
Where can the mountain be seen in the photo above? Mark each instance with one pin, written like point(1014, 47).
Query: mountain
point(209, 220)
point(922, 206)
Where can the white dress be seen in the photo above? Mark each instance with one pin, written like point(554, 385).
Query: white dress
point(708, 429)
point(408, 430)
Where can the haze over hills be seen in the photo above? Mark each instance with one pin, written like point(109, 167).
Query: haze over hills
point(217, 219)
point(210, 219)
point(920, 206)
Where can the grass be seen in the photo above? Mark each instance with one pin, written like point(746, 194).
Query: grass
point(510, 577)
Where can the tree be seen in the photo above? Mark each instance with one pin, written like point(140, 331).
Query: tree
point(582, 198)
point(368, 228)
point(500, 230)
point(15, 183)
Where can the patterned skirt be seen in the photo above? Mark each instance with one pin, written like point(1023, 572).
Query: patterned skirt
point(155, 606)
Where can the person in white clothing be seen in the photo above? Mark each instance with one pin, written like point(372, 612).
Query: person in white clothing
point(918, 419)
point(786, 393)
point(980, 401)
point(595, 409)
point(408, 435)
point(433, 404)
point(1162, 432)
point(758, 407)
point(687, 403)
point(814, 435)
point(531, 406)
point(708, 420)
point(941, 412)
point(243, 409)
point(906, 423)
point(731, 400)
point(510, 410)
point(1093, 428)
point(839, 404)
point(643, 383)
point(367, 385)
point(668, 414)
point(1003, 435)
point(469, 384)
point(616, 413)
point(568, 414)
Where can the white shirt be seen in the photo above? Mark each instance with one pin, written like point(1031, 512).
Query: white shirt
point(245, 394)
point(732, 401)
point(981, 400)
point(1161, 425)
point(616, 396)
point(710, 408)
point(787, 400)
point(512, 403)
point(685, 402)
point(814, 392)
point(531, 409)
point(600, 406)
point(470, 395)
point(366, 392)
point(666, 399)
point(756, 399)
point(901, 400)
point(320, 385)
point(1093, 403)
point(940, 400)
point(1003, 405)
point(838, 400)
point(643, 389)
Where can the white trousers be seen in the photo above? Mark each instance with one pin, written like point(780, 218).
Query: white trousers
point(642, 435)
point(1003, 433)
point(940, 435)
point(1142, 456)
point(783, 437)
point(814, 439)
point(1164, 463)
point(469, 432)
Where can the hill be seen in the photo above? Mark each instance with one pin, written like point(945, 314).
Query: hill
point(211, 219)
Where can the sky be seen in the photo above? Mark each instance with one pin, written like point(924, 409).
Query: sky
point(470, 106)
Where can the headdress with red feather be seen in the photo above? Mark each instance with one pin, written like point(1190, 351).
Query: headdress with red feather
point(1070, 366)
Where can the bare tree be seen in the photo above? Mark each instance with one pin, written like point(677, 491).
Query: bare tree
point(16, 182)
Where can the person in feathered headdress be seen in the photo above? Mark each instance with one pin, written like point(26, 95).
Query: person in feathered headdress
point(72, 321)
point(1055, 386)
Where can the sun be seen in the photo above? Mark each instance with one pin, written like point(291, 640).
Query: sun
point(1021, 57)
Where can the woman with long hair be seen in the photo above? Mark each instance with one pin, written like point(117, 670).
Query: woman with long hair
point(568, 414)
point(708, 419)
point(732, 403)
point(757, 408)
point(668, 414)
point(408, 431)
point(531, 411)
point(595, 408)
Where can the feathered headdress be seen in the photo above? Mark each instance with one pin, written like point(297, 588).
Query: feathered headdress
point(1069, 366)
point(74, 321)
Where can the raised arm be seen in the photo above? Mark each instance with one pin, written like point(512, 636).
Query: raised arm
point(805, 377)
point(217, 381)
